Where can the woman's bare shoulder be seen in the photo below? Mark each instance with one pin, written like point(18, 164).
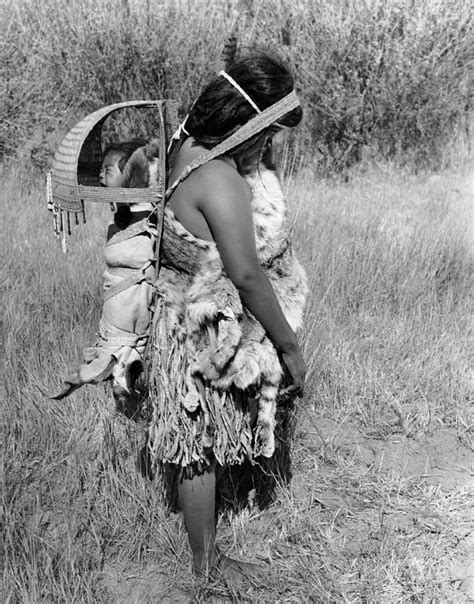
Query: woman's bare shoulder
point(218, 181)
point(218, 170)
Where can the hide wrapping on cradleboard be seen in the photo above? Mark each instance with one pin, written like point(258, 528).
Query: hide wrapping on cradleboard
point(132, 252)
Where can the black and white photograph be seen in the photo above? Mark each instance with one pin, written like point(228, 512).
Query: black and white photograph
point(237, 301)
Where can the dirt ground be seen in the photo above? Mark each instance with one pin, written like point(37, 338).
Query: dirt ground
point(439, 465)
point(441, 458)
point(388, 501)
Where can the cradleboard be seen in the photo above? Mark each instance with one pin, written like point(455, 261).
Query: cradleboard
point(131, 252)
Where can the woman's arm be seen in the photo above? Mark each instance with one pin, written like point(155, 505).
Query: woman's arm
point(225, 205)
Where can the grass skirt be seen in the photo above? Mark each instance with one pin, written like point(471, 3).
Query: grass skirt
point(220, 427)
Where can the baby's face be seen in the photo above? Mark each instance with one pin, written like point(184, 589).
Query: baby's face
point(110, 175)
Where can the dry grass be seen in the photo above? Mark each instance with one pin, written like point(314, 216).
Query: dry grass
point(378, 508)
point(391, 269)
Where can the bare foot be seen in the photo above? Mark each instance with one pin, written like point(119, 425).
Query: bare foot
point(238, 573)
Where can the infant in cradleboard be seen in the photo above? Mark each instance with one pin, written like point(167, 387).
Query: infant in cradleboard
point(128, 278)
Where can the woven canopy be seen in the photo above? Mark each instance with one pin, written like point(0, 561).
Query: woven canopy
point(76, 164)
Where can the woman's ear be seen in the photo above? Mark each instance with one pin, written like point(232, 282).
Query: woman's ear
point(268, 156)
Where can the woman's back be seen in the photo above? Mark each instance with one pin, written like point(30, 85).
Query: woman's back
point(216, 183)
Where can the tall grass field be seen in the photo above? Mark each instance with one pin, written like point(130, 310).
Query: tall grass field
point(379, 505)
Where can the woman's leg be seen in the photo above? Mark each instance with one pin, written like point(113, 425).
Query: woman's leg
point(197, 496)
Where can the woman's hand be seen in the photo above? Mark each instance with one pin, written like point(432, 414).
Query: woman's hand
point(297, 368)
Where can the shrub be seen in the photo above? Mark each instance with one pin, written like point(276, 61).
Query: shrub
point(387, 78)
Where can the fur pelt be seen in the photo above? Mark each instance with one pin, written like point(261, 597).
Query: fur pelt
point(226, 347)
point(140, 169)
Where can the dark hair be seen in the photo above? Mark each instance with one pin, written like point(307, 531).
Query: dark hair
point(125, 149)
point(220, 109)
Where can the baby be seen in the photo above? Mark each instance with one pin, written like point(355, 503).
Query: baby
point(128, 278)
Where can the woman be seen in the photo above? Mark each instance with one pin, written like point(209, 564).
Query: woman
point(231, 293)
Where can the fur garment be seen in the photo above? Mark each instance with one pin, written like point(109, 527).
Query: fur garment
point(210, 354)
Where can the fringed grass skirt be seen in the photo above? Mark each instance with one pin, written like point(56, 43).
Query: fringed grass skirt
point(220, 427)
